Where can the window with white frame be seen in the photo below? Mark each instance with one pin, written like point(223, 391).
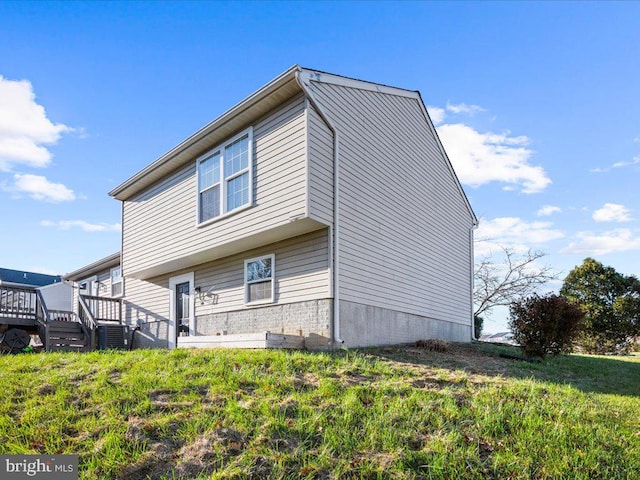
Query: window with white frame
point(259, 279)
point(225, 178)
point(116, 282)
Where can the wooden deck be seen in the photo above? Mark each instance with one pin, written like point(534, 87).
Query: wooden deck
point(25, 309)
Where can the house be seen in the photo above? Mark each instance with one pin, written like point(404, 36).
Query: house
point(501, 337)
point(320, 207)
point(20, 278)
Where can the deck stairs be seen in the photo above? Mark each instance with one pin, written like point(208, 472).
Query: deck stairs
point(67, 336)
point(24, 310)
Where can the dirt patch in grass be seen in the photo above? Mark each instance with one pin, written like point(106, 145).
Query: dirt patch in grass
point(164, 400)
point(350, 379)
point(289, 407)
point(305, 381)
point(206, 452)
point(164, 458)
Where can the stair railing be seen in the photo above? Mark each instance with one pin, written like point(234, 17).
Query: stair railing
point(87, 321)
point(43, 319)
point(104, 309)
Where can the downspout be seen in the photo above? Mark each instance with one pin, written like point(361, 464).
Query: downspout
point(336, 229)
point(472, 263)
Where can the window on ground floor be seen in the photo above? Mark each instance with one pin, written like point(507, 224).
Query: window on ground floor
point(259, 279)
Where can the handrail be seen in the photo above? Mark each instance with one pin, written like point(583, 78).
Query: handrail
point(104, 309)
point(43, 319)
point(87, 320)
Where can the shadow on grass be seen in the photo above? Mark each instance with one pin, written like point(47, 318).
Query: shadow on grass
point(590, 374)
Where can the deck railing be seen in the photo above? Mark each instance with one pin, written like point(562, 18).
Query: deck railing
point(42, 320)
point(18, 302)
point(87, 320)
point(62, 316)
point(104, 309)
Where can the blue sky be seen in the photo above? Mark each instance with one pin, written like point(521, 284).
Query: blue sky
point(538, 105)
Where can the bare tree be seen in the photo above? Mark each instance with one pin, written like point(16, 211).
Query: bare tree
point(502, 283)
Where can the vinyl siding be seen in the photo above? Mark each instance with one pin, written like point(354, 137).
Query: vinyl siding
point(301, 274)
point(159, 225)
point(404, 234)
point(320, 141)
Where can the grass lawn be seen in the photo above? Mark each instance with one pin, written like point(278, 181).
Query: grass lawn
point(384, 413)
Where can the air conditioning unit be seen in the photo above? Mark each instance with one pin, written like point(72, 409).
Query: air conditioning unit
point(112, 337)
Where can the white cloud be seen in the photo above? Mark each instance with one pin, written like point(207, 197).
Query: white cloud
point(514, 233)
point(634, 161)
point(612, 212)
point(481, 158)
point(548, 210)
point(636, 140)
point(81, 224)
point(464, 108)
point(437, 114)
point(589, 243)
point(39, 188)
point(25, 129)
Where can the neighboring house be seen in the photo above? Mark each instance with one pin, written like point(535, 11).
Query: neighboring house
point(320, 206)
point(20, 278)
point(101, 279)
point(501, 337)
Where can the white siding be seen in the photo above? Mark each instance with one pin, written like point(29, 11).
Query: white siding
point(301, 274)
point(404, 225)
point(159, 225)
point(320, 168)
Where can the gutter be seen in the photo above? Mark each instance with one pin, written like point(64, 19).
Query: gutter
point(302, 76)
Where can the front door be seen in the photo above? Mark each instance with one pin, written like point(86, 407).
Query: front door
point(182, 309)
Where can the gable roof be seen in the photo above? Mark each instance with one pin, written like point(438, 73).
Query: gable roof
point(20, 277)
point(281, 88)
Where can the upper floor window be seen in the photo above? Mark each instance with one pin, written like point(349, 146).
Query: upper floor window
point(116, 282)
point(225, 177)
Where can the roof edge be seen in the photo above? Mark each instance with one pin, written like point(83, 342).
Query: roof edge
point(309, 74)
point(289, 74)
point(87, 270)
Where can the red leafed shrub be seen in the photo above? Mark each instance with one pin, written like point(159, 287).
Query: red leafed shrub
point(545, 325)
